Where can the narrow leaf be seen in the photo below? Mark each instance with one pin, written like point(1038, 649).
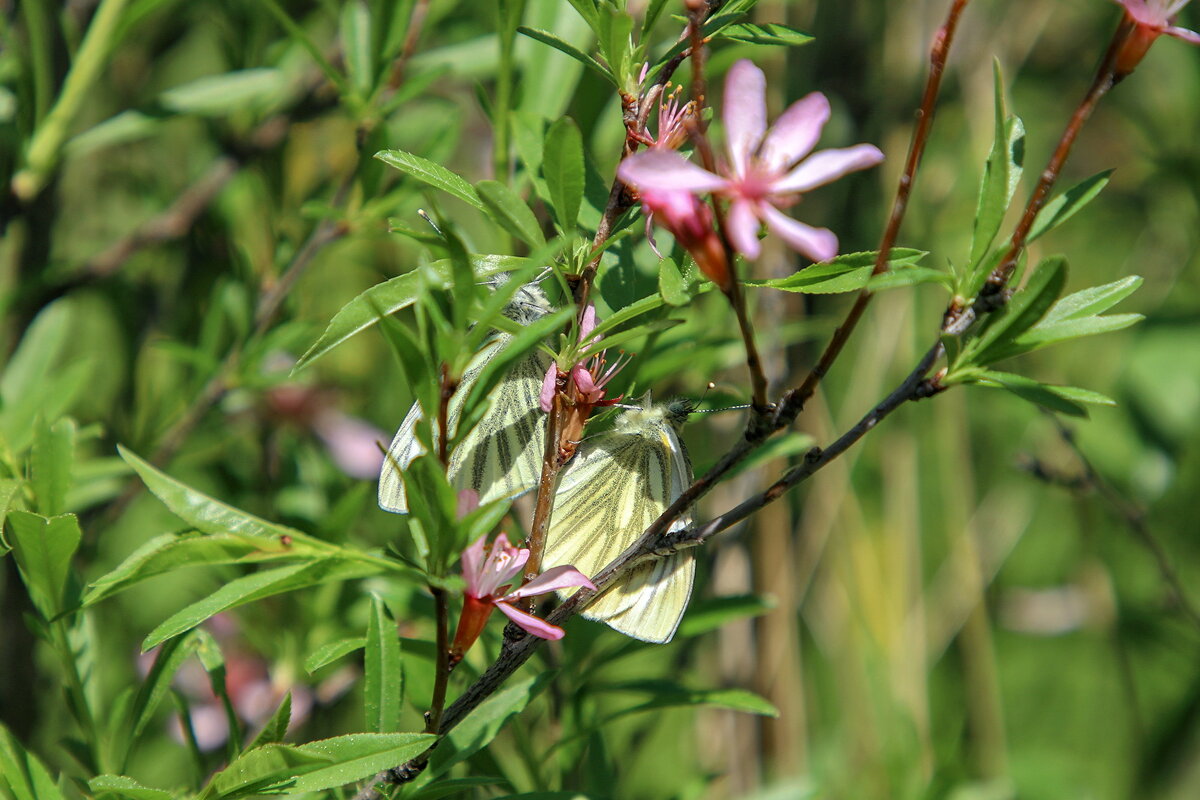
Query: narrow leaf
point(253, 587)
point(51, 464)
point(277, 726)
point(326, 654)
point(1067, 204)
point(355, 30)
point(771, 33)
point(712, 613)
point(1024, 309)
point(126, 787)
point(845, 273)
point(562, 168)
point(474, 733)
point(545, 37)
point(43, 548)
point(389, 297)
point(671, 284)
point(383, 680)
point(431, 173)
point(510, 212)
point(358, 755)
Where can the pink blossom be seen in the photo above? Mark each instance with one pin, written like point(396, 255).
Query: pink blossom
point(487, 573)
point(1151, 19)
point(690, 221)
point(1158, 15)
point(766, 169)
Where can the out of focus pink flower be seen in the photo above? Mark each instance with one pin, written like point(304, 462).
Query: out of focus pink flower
point(352, 443)
point(1151, 19)
point(487, 574)
point(766, 169)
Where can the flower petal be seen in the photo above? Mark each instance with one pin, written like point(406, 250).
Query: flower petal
point(472, 565)
point(744, 112)
point(504, 563)
point(818, 244)
point(588, 323)
point(529, 623)
point(549, 387)
point(583, 379)
point(666, 170)
point(795, 133)
point(825, 166)
point(1183, 33)
point(742, 226)
point(553, 579)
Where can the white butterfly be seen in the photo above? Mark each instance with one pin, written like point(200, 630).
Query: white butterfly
point(617, 484)
point(502, 455)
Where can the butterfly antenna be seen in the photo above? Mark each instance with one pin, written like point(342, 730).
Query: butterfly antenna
point(423, 215)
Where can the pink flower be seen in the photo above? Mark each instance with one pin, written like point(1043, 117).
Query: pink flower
point(690, 221)
point(580, 388)
point(486, 575)
point(1151, 19)
point(767, 170)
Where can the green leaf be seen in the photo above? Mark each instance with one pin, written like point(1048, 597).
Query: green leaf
point(390, 296)
point(22, 773)
point(210, 515)
point(845, 273)
point(562, 169)
point(1064, 399)
point(433, 174)
point(614, 28)
point(383, 679)
point(172, 551)
point(256, 586)
point(277, 726)
point(474, 733)
point(1090, 302)
point(545, 37)
point(1001, 174)
point(712, 613)
point(43, 548)
point(320, 765)
point(157, 682)
point(667, 694)
point(909, 276)
point(327, 653)
point(51, 461)
point(671, 284)
point(770, 33)
point(126, 787)
point(510, 212)
point(1024, 310)
point(355, 30)
point(220, 95)
point(1067, 204)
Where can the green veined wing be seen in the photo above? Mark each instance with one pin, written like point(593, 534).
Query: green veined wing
point(617, 484)
point(502, 455)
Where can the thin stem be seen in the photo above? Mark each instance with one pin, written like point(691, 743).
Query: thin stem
point(416, 22)
point(547, 485)
point(76, 691)
point(46, 146)
point(441, 672)
point(938, 54)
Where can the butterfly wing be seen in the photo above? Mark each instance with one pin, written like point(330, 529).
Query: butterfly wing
point(615, 487)
point(501, 456)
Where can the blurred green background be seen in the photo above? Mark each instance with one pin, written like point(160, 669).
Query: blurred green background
point(948, 619)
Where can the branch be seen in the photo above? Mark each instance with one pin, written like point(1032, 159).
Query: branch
point(938, 54)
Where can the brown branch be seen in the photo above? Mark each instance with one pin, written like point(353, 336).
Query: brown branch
point(416, 22)
point(171, 223)
point(938, 54)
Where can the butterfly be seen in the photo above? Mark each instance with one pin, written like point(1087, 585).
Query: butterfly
point(615, 486)
point(502, 455)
